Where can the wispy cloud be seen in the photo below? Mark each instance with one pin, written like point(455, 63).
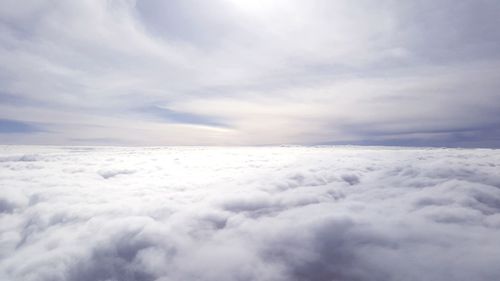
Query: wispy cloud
point(273, 71)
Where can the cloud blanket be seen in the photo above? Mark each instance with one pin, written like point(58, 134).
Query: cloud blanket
point(249, 213)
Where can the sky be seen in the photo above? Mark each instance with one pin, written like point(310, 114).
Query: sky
point(228, 72)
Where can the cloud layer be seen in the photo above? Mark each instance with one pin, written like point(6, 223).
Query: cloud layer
point(250, 72)
point(268, 213)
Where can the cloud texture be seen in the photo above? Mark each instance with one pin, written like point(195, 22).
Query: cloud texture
point(268, 213)
point(250, 72)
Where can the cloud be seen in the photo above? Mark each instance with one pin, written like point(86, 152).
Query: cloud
point(12, 126)
point(182, 117)
point(261, 213)
point(273, 72)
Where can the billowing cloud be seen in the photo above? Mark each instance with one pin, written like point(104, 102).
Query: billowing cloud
point(251, 72)
point(268, 213)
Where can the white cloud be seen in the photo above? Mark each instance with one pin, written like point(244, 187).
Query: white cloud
point(268, 213)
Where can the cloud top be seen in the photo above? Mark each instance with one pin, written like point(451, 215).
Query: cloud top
point(291, 213)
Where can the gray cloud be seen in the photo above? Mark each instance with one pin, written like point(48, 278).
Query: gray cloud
point(13, 126)
point(173, 116)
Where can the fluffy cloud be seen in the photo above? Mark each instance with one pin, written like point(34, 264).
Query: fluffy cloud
point(268, 213)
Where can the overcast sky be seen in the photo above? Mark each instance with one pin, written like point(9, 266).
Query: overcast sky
point(245, 72)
